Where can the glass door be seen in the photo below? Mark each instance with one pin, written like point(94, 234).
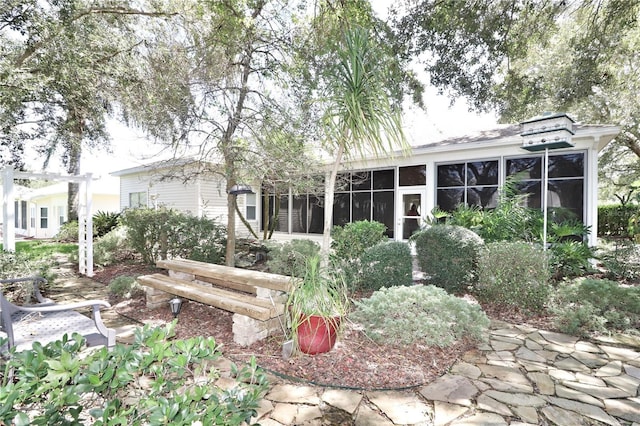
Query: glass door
point(410, 213)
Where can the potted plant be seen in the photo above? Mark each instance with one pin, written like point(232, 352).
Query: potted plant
point(316, 307)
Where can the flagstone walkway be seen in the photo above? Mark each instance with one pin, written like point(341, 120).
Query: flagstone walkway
point(521, 376)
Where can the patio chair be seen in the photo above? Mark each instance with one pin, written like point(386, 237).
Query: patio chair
point(47, 321)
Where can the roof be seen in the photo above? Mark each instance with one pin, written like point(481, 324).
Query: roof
point(158, 165)
point(103, 186)
point(511, 133)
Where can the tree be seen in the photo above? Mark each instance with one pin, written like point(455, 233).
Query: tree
point(522, 57)
point(213, 87)
point(356, 80)
point(61, 64)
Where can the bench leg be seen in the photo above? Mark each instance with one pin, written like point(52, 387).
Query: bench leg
point(247, 330)
point(156, 298)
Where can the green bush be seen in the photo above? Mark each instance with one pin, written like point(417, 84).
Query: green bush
point(570, 259)
point(104, 222)
point(386, 264)
point(513, 274)
point(16, 265)
point(613, 220)
point(112, 248)
point(594, 305)
point(419, 314)
point(156, 380)
point(124, 286)
point(162, 233)
point(68, 232)
point(448, 255)
point(621, 260)
point(289, 258)
point(350, 242)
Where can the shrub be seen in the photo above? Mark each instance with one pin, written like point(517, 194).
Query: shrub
point(386, 264)
point(18, 265)
point(162, 233)
point(289, 258)
point(350, 242)
point(513, 274)
point(68, 232)
point(155, 380)
point(614, 220)
point(124, 286)
point(111, 248)
point(448, 255)
point(423, 314)
point(595, 305)
point(570, 259)
point(621, 261)
point(104, 222)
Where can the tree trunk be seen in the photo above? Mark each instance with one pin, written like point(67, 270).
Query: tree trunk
point(329, 190)
point(230, 255)
point(73, 168)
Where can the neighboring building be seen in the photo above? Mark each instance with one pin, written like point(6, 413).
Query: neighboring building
point(40, 212)
point(177, 186)
point(400, 191)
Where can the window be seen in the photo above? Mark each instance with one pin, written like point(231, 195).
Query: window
point(566, 183)
point(369, 195)
point(138, 199)
point(250, 207)
point(16, 211)
point(32, 221)
point(44, 217)
point(23, 214)
point(474, 183)
point(61, 215)
point(412, 175)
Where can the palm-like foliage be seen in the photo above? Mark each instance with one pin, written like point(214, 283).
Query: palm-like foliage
point(359, 116)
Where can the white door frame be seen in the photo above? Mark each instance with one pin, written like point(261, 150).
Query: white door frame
point(402, 216)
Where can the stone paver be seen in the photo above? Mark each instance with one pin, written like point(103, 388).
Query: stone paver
point(520, 376)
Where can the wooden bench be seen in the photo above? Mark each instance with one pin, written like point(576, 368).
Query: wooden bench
point(47, 321)
point(256, 298)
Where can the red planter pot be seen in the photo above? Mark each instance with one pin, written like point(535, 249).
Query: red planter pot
point(317, 334)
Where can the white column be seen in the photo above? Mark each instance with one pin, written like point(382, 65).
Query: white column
point(8, 211)
point(82, 227)
point(89, 229)
point(591, 181)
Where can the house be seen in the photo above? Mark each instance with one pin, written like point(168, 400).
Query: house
point(40, 212)
point(184, 186)
point(401, 191)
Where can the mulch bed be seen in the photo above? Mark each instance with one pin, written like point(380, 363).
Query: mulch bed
point(355, 362)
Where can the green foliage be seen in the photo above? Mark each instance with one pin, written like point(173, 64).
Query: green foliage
point(124, 286)
point(158, 234)
point(613, 220)
point(68, 232)
point(350, 241)
point(419, 314)
point(155, 380)
point(104, 222)
point(319, 292)
point(570, 259)
point(289, 258)
point(620, 259)
point(448, 255)
point(511, 220)
point(513, 274)
point(22, 264)
point(386, 264)
point(37, 249)
point(112, 248)
point(594, 305)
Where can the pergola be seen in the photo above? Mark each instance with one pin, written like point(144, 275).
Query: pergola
point(85, 219)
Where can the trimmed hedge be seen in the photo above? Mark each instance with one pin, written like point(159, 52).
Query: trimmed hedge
point(613, 220)
point(448, 255)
